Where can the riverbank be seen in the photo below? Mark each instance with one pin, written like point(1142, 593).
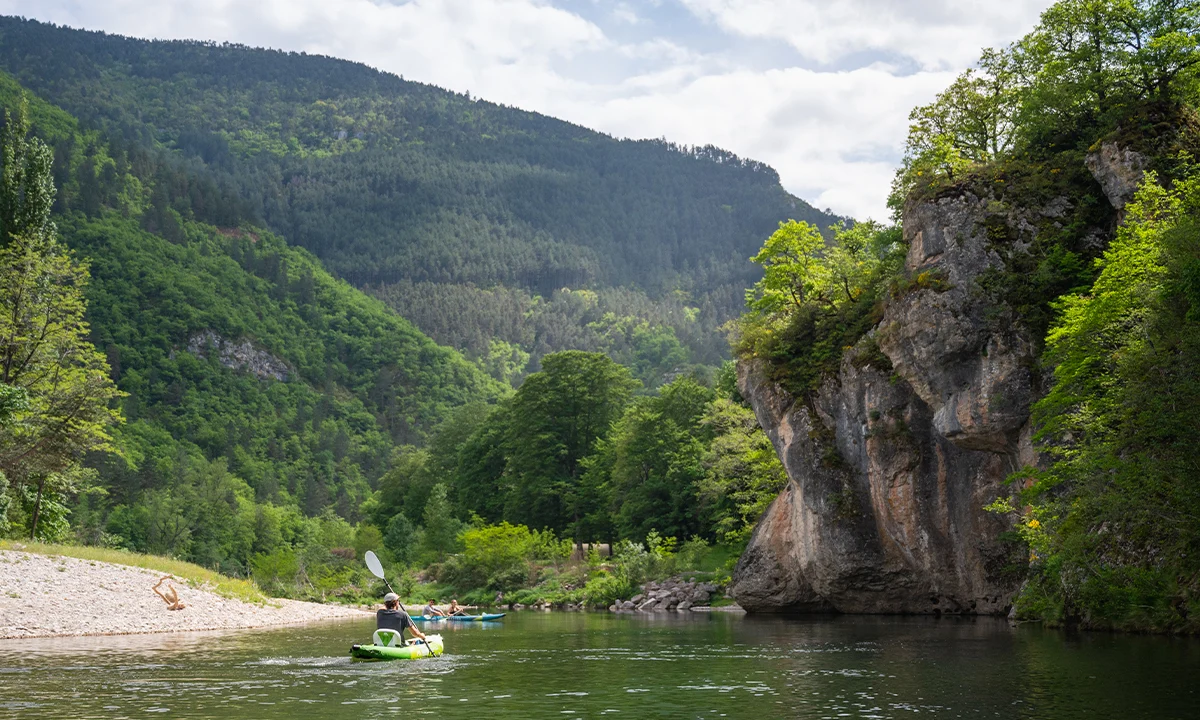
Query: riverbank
point(54, 595)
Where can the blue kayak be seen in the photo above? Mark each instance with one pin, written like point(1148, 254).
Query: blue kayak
point(485, 617)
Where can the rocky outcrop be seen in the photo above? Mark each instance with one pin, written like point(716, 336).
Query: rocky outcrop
point(950, 345)
point(239, 355)
point(891, 463)
point(1118, 170)
point(674, 594)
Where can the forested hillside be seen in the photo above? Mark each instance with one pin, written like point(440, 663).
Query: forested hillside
point(468, 217)
point(255, 386)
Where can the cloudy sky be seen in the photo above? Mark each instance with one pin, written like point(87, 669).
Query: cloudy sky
point(818, 89)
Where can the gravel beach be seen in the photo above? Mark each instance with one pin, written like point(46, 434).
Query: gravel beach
point(51, 596)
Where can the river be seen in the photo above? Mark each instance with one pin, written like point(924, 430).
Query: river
point(591, 665)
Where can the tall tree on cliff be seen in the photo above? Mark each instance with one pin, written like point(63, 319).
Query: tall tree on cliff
point(45, 355)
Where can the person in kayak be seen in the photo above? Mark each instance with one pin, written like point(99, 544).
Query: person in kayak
point(431, 611)
point(454, 608)
point(392, 618)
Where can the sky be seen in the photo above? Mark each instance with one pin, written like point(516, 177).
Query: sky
point(818, 89)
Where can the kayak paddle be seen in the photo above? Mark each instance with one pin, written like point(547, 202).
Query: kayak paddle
point(376, 569)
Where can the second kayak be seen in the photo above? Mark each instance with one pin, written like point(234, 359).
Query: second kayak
point(461, 618)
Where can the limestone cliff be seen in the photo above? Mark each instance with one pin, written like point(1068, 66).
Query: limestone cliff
point(239, 355)
point(892, 461)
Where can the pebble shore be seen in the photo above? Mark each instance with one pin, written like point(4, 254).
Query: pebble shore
point(54, 596)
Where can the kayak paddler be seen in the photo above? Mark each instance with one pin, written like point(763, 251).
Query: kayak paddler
point(431, 611)
point(454, 608)
point(392, 618)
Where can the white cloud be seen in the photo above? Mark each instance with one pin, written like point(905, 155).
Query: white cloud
point(840, 130)
point(834, 133)
point(622, 12)
point(937, 34)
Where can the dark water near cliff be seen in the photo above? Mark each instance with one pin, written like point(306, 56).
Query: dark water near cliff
point(597, 665)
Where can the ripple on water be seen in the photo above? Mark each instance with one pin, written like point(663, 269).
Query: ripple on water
point(300, 661)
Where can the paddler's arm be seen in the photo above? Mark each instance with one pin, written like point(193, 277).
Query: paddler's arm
point(412, 628)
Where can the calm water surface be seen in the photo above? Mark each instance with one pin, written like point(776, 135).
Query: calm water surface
point(541, 665)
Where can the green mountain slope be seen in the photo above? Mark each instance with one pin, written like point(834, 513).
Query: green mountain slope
point(428, 196)
point(236, 350)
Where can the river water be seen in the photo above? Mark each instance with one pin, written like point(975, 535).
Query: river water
point(591, 665)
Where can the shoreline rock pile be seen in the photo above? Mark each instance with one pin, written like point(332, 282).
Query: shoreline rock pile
point(542, 604)
point(674, 594)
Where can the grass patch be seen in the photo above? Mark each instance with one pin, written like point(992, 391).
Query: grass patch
point(192, 575)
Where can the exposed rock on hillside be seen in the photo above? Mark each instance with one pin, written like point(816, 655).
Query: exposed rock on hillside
point(1118, 170)
point(239, 355)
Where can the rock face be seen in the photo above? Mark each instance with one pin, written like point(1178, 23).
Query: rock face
point(892, 461)
point(1118, 170)
point(890, 467)
point(239, 355)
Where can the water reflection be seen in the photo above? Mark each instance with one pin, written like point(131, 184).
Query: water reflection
point(593, 665)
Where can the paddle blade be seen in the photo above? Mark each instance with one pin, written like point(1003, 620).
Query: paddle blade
point(373, 564)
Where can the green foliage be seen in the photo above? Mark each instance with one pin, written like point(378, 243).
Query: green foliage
point(1112, 522)
point(441, 528)
point(742, 471)
point(56, 402)
point(803, 332)
point(793, 272)
point(13, 400)
point(651, 465)
point(262, 393)
point(401, 538)
point(971, 122)
point(633, 564)
point(507, 331)
point(606, 588)
point(554, 421)
point(26, 183)
point(404, 488)
point(1089, 67)
point(579, 407)
point(503, 557)
point(45, 354)
point(275, 571)
point(366, 537)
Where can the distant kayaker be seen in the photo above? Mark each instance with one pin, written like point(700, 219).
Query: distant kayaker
point(454, 608)
point(393, 618)
point(431, 611)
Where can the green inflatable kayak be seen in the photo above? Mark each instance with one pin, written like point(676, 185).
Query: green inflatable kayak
point(461, 618)
point(385, 645)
